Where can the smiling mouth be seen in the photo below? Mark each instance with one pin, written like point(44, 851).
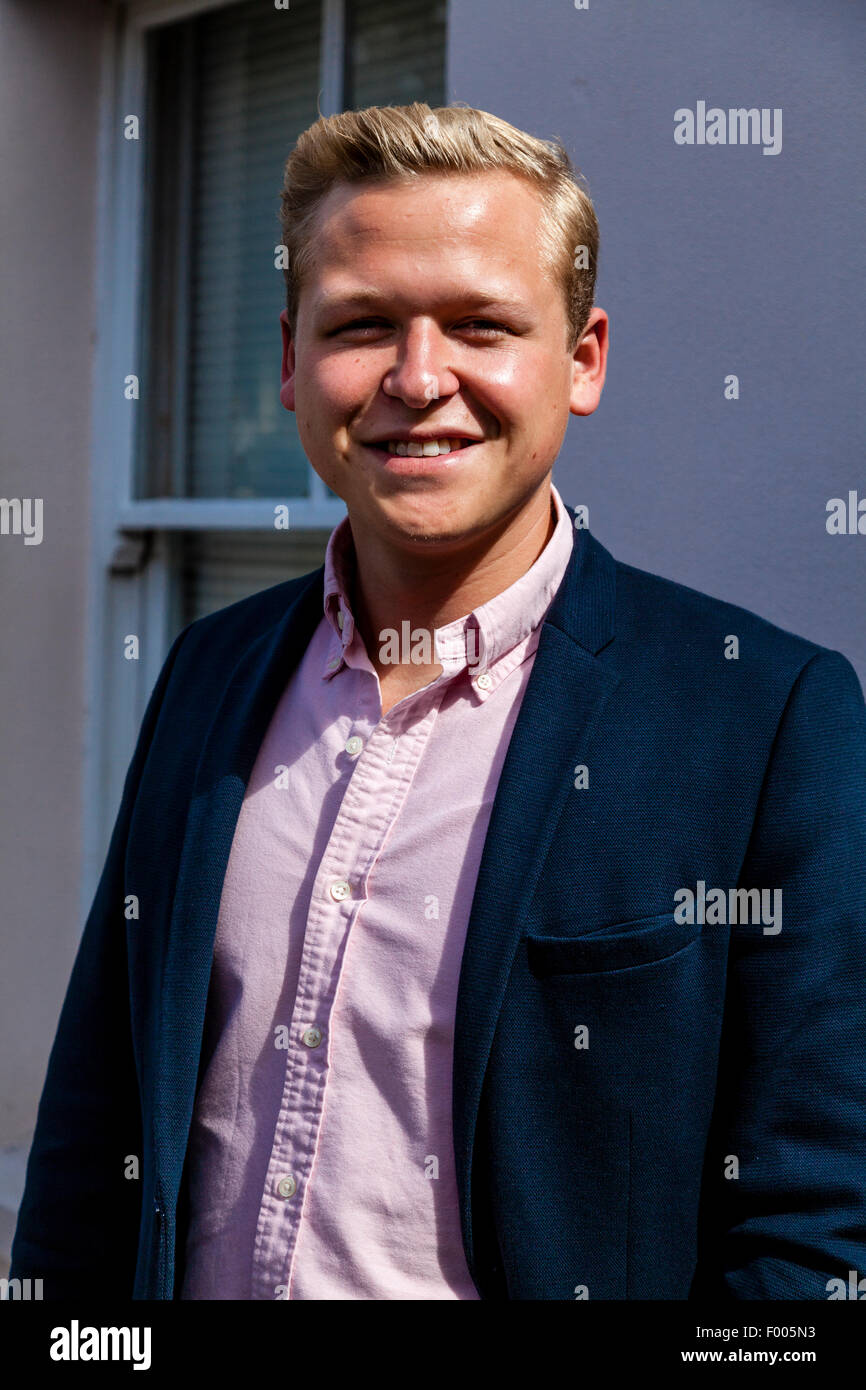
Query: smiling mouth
point(418, 448)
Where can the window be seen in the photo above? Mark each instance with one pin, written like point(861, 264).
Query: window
point(229, 91)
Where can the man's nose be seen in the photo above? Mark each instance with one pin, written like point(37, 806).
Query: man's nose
point(422, 372)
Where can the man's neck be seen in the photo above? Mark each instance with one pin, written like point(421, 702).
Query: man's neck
point(391, 588)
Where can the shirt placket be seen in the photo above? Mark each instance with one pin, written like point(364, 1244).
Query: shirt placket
point(371, 802)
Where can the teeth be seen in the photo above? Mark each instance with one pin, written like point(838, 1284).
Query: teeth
point(430, 448)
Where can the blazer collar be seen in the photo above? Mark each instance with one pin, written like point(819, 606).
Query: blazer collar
point(585, 603)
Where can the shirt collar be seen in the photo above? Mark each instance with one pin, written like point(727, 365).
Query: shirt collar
point(490, 640)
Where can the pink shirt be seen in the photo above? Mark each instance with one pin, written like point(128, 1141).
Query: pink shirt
point(321, 1160)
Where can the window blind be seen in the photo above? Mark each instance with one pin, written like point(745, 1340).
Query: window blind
point(257, 83)
point(218, 568)
point(395, 52)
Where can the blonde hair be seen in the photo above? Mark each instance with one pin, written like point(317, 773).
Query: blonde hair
point(395, 142)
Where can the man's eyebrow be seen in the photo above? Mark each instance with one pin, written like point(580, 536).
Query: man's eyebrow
point(469, 301)
point(347, 301)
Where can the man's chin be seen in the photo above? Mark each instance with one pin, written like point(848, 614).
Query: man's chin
point(433, 524)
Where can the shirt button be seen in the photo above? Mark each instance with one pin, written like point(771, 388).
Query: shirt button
point(484, 681)
point(354, 745)
point(313, 1037)
point(333, 663)
point(287, 1187)
point(339, 890)
point(340, 620)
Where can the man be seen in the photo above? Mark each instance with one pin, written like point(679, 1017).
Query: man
point(484, 917)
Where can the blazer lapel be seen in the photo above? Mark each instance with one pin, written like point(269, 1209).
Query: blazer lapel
point(565, 694)
point(228, 756)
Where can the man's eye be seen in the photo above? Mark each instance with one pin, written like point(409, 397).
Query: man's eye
point(357, 325)
point(482, 327)
point(485, 326)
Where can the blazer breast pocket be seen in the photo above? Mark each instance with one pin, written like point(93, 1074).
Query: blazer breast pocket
point(620, 946)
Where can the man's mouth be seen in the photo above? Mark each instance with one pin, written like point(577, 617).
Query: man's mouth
point(421, 448)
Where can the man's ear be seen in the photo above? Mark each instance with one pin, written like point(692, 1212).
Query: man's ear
point(287, 369)
point(590, 364)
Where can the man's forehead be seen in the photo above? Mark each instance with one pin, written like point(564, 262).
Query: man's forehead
point(490, 208)
point(447, 242)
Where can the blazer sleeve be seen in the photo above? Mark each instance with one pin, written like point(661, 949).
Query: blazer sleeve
point(788, 1216)
point(78, 1223)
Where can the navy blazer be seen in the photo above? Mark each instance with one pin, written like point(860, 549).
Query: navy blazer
point(644, 1107)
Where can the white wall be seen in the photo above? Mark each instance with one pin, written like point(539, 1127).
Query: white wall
point(49, 93)
point(714, 260)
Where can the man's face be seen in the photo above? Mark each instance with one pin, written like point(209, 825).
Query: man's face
point(428, 315)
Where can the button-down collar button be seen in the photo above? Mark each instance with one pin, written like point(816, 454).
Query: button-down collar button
point(313, 1037)
point(339, 890)
point(484, 681)
point(287, 1187)
point(354, 745)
